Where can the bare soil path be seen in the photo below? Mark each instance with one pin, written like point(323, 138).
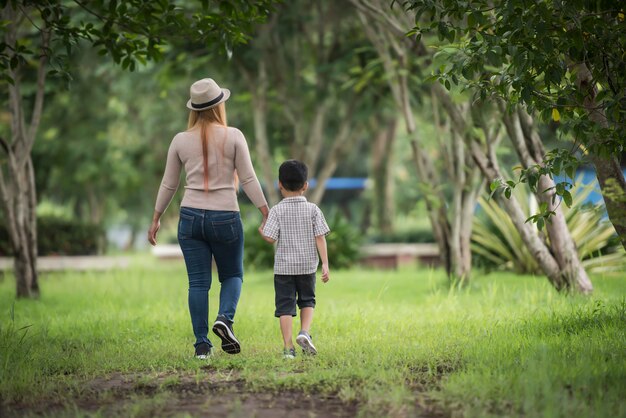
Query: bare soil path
point(206, 394)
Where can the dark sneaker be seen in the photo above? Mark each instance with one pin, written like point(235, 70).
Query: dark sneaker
point(289, 353)
point(223, 328)
point(305, 341)
point(203, 351)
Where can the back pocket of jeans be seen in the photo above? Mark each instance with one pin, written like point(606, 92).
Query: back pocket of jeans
point(227, 231)
point(185, 226)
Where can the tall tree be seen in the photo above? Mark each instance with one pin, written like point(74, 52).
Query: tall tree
point(298, 68)
point(450, 209)
point(38, 35)
point(565, 59)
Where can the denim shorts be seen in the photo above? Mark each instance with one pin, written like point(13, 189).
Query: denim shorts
point(292, 289)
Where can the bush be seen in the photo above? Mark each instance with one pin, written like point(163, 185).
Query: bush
point(59, 236)
point(343, 244)
point(496, 243)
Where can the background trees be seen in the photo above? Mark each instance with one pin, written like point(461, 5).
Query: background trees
point(337, 84)
point(564, 59)
point(39, 36)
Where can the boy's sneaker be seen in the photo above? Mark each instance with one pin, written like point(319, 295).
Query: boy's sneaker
point(305, 341)
point(203, 351)
point(223, 328)
point(289, 353)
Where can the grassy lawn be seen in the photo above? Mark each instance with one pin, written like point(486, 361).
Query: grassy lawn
point(394, 343)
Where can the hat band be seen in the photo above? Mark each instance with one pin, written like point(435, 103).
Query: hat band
point(212, 102)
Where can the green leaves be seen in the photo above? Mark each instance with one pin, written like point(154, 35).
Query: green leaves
point(528, 50)
point(132, 32)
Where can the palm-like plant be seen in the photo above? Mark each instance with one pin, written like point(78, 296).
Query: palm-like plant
point(497, 243)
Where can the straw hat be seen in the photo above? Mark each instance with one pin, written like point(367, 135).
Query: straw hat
point(206, 94)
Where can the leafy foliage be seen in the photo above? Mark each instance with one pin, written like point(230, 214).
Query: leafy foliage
point(528, 52)
point(130, 31)
point(497, 242)
point(61, 236)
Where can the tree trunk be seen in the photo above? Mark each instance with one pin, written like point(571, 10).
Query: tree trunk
point(529, 236)
point(19, 205)
point(530, 148)
point(345, 138)
point(397, 72)
point(613, 186)
point(382, 157)
point(19, 197)
point(488, 165)
point(258, 86)
point(608, 171)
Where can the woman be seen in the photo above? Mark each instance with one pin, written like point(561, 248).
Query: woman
point(215, 158)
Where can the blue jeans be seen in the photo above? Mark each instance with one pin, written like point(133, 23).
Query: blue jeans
point(202, 235)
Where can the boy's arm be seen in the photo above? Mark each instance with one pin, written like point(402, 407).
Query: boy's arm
point(320, 241)
point(268, 239)
point(270, 229)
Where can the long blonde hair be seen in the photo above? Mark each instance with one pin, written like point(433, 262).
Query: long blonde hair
point(205, 118)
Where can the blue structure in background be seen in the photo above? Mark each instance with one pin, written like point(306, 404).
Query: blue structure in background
point(587, 176)
point(342, 183)
point(339, 183)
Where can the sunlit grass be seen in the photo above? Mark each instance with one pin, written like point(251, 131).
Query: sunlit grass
point(504, 346)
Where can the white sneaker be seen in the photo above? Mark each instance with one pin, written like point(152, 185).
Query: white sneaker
point(305, 341)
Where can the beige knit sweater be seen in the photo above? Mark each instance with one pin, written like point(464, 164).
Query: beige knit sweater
point(228, 151)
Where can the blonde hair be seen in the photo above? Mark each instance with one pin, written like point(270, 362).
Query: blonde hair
point(205, 118)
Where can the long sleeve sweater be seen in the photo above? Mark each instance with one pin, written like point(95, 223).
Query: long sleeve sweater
point(227, 152)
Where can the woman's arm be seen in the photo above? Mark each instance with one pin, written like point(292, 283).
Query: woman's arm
point(154, 227)
point(247, 176)
point(171, 179)
point(169, 185)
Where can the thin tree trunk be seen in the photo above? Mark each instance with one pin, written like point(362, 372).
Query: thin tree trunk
point(527, 141)
point(19, 198)
point(345, 138)
point(489, 168)
point(262, 147)
point(398, 84)
point(382, 157)
point(608, 170)
point(529, 236)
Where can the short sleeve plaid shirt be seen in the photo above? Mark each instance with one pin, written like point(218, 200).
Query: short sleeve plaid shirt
point(294, 223)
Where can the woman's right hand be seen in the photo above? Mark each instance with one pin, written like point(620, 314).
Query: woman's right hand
point(154, 228)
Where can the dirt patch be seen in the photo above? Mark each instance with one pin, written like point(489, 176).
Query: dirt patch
point(207, 394)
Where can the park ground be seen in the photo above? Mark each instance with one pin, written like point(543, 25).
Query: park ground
point(393, 343)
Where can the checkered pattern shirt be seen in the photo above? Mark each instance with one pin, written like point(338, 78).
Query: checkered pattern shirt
point(294, 223)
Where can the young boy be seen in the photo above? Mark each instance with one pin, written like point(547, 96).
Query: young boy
point(300, 228)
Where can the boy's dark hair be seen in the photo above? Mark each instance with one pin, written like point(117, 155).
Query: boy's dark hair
point(293, 174)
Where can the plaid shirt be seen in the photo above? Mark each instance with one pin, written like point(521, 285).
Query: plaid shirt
point(294, 223)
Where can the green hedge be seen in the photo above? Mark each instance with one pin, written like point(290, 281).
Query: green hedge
point(58, 236)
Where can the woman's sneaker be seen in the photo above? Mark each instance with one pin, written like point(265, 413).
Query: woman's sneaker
point(289, 353)
point(203, 351)
point(223, 328)
point(305, 341)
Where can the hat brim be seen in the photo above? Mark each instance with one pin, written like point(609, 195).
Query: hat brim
point(224, 98)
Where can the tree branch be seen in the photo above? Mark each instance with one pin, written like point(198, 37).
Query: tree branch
point(41, 89)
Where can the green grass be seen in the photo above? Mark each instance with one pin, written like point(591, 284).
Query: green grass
point(504, 346)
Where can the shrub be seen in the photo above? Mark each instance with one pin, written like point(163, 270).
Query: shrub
point(59, 236)
point(496, 243)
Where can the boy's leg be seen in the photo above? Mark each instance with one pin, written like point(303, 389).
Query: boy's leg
point(286, 329)
point(306, 302)
point(285, 300)
point(306, 318)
